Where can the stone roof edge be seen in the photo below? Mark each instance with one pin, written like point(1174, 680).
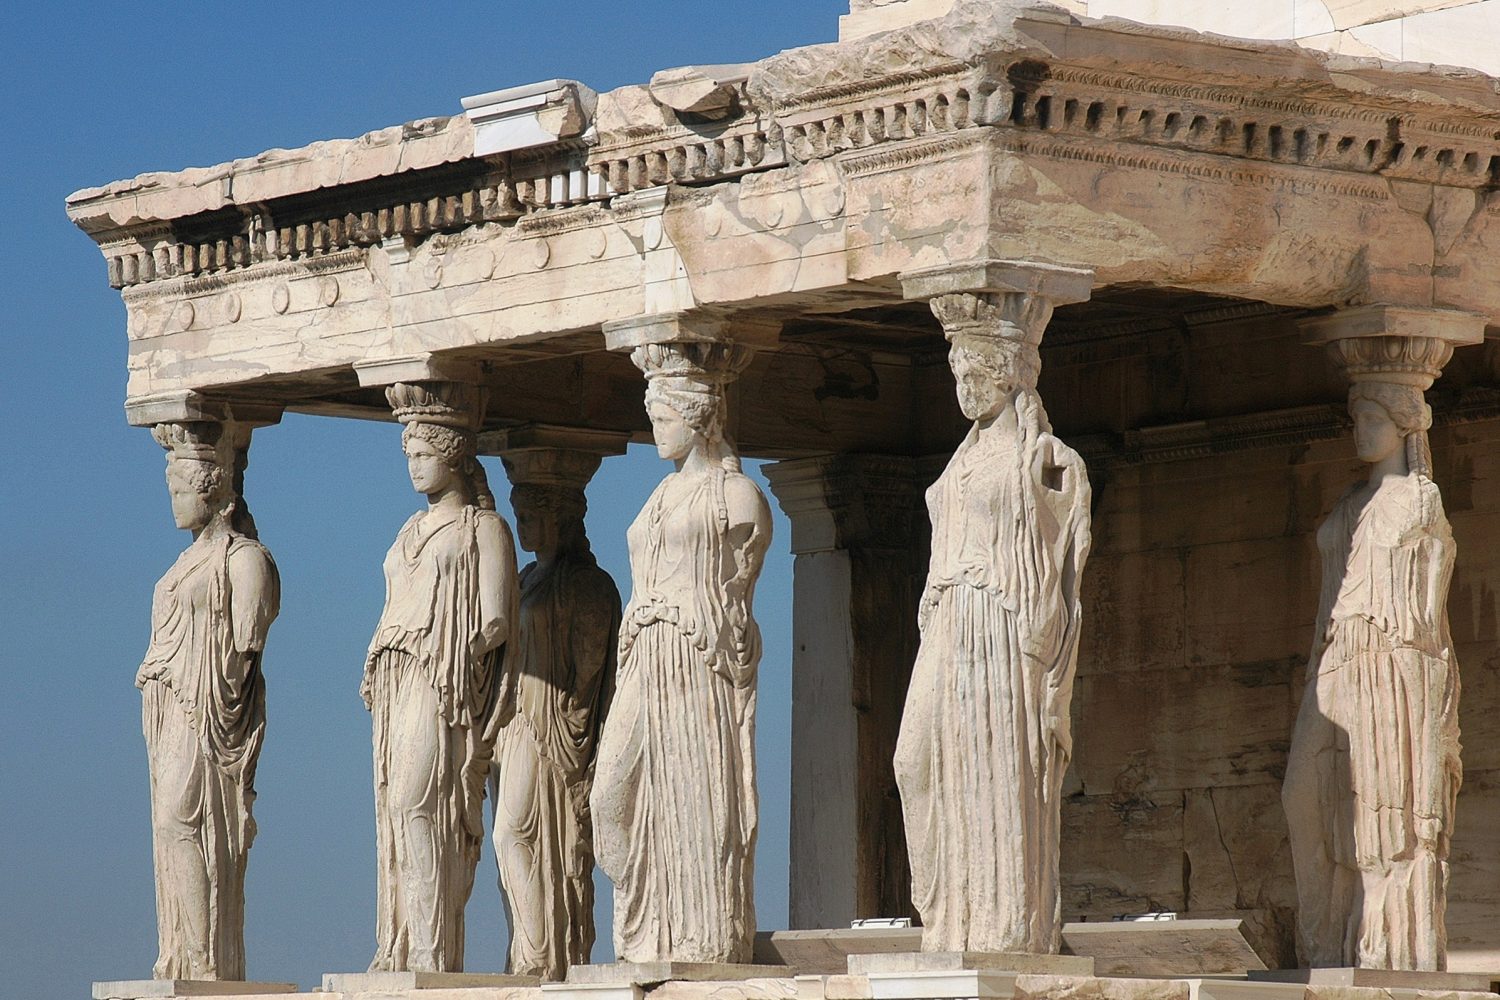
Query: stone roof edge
point(917, 50)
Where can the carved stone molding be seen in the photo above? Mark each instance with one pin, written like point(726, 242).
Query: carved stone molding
point(193, 407)
point(698, 326)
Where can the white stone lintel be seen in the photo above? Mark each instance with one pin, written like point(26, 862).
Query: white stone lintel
point(141, 989)
point(416, 368)
point(1060, 285)
point(189, 406)
point(535, 114)
point(703, 326)
point(1449, 325)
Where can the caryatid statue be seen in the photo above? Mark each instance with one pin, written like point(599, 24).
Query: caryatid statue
point(674, 798)
point(985, 735)
point(1374, 771)
point(564, 661)
point(204, 704)
point(435, 682)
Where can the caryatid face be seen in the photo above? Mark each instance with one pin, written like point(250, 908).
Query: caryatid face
point(429, 470)
point(1376, 436)
point(980, 397)
point(536, 530)
point(191, 510)
point(674, 435)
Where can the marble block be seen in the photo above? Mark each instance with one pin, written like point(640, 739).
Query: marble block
point(1164, 948)
point(969, 961)
point(1385, 979)
point(139, 989)
point(357, 982)
point(651, 973)
point(1091, 988)
point(593, 991)
point(827, 951)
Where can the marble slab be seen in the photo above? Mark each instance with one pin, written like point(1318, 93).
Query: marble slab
point(901, 963)
point(1474, 982)
point(139, 989)
point(1164, 948)
point(827, 951)
point(593, 991)
point(364, 982)
point(651, 973)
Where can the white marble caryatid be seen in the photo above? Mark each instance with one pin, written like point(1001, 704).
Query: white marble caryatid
point(1374, 771)
point(985, 736)
point(435, 684)
point(564, 661)
point(204, 704)
point(674, 799)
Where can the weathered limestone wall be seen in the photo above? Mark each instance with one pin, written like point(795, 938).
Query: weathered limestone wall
point(1200, 599)
point(1445, 32)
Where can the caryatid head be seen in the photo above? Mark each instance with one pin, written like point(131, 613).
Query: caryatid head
point(994, 354)
point(685, 395)
point(440, 420)
point(200, 472)
point(1388, 379)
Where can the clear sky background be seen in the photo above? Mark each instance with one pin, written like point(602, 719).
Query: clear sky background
point(94, 92)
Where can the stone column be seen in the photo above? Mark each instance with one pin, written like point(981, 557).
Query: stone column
point(985, 733)
point(204, 703)
point(564, 661)
point(674, 800)
point(859, 538)
point(1373, 770)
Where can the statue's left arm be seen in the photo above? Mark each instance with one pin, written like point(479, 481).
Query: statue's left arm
point(497, 582)
point(254, 596)
point(749, 538)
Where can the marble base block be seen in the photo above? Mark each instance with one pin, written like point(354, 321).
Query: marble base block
point(363, 982)
point(969, 961)
point(948, 975)
point(593, 991)
point(1165, 947)
point(140, 989)
point(651, 973)
point(827, 951)
point(1474, 982)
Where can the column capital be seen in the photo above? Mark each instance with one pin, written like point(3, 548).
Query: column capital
point(188, 406)
point(552, 437)
point(1408, 345)
point(848, 500)
point(697, 326)
point(549, 456)
point(1058, 285)
point(424, 367)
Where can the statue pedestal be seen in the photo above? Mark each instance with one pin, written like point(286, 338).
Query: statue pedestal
point(1208, 988)
point(384, 982)
point(940, 975)
point(1386, 979)
point(652, 973)
point(141, 989)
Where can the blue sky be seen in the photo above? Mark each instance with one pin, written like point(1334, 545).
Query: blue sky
point(96, 92)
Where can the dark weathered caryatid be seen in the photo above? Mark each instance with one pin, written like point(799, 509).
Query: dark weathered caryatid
point(985, 735)
point(674, 796)
point(563, 658)
point(204, 707)
point(434, 681)
point(1374, 769)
